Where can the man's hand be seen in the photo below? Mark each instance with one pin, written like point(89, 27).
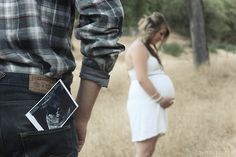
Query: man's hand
point(81, 129)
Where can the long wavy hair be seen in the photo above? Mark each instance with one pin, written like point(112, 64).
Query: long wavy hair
point(148, 27)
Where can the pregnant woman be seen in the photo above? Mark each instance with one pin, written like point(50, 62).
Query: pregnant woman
point(151, 90)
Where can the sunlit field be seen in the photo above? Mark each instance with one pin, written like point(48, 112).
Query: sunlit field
point(202, 122)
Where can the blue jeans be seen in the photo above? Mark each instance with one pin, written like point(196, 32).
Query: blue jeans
point(18, 137)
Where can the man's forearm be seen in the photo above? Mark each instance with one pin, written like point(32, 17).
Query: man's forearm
point(86, 97)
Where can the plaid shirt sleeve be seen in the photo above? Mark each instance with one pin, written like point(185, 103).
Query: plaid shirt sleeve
point(99, 29)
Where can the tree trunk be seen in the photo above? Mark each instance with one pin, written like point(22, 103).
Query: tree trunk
point(197, 31)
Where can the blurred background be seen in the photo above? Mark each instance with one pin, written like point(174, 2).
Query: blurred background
point(219, 15)
point(202, 120)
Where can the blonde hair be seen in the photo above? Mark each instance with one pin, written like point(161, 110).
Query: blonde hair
point(148, 26)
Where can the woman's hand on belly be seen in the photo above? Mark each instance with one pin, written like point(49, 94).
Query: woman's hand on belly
point(166, 102)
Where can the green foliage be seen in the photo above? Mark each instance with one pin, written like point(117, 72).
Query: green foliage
point(219, 16)
point(176, 14)
point(228, 47)
point(173, 49)
point(220, 20)
point(230, 12)
point(212, 47)
point(215, 18)
point(133, 11)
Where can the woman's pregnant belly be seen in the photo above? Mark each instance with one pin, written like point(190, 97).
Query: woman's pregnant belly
point(163, 84)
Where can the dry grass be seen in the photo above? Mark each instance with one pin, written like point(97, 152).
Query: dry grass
point(201, 123)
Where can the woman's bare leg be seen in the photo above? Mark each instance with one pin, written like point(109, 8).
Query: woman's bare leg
point(145, 148)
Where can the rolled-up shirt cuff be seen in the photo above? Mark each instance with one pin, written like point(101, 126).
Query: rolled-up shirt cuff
point(94, 75)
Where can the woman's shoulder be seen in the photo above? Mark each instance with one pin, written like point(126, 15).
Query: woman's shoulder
point(136, 45)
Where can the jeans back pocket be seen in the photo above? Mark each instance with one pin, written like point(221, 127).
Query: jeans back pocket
point(50, 143)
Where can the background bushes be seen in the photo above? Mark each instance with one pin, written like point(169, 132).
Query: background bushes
point(219, 17)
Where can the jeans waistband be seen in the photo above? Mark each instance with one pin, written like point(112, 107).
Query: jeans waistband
point(31, 81)
point(14, 78)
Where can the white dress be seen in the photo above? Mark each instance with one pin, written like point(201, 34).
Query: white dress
point(147, 118)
